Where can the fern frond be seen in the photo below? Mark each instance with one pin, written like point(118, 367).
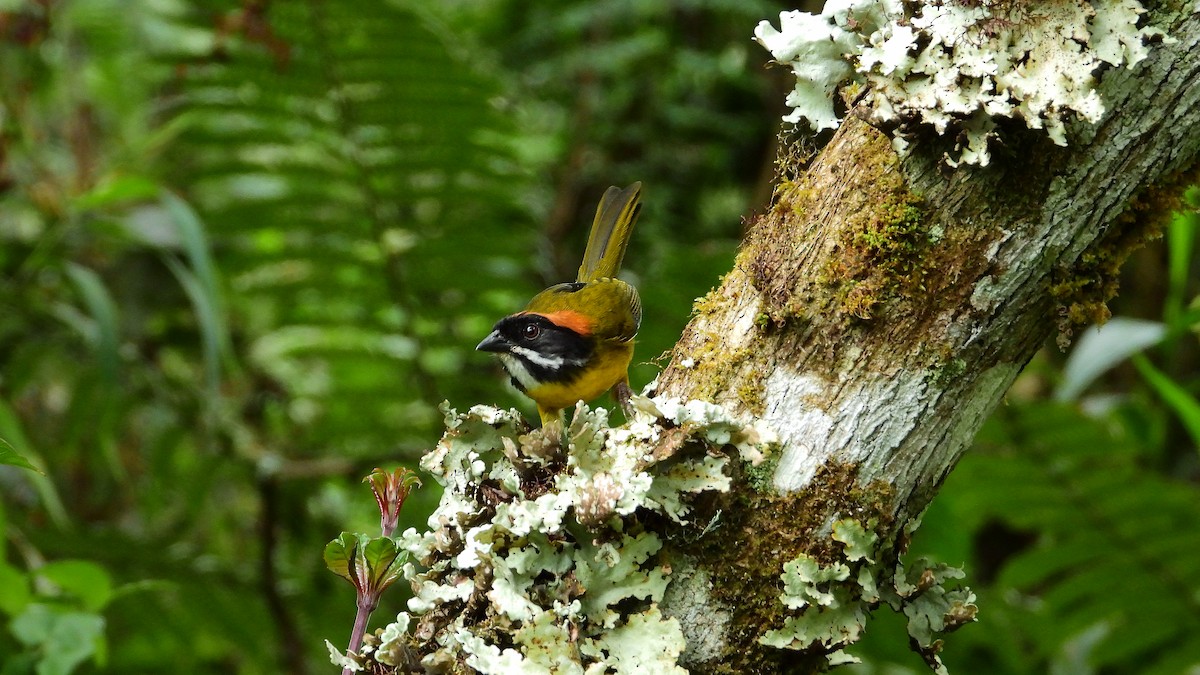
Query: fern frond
point(1117, 549)
point(337, 156)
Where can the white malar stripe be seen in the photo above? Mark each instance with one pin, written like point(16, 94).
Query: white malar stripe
point(553, 362)
point(517, 370)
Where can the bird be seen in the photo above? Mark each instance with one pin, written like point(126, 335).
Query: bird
point(574, 341)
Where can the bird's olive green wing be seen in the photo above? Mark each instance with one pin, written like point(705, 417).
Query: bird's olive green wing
point(623, 307)
point(609, 309)
point(615, 216)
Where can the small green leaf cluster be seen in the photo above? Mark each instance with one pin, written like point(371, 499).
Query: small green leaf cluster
point(370, 563)
point(55, 613)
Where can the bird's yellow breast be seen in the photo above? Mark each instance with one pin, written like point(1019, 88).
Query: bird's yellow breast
point(608, 366)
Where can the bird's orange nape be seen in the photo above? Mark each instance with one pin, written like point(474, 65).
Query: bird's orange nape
point(567, 318)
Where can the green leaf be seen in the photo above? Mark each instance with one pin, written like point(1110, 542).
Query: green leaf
point(339, 555)
point(14, 590)
point(34, 625)
point(118, 190)
point(195, 243)
point(10, 456)
point(142, 586)
point(1112, 541)
point(382, 555)
point(83, 579)
point(370, 563)
point(212, 324)
point(65, 638)
point(336, 191)
point(1186, 407)
point(1181, 237)
point(12, 430)
point(201, 283)
point(103, 330)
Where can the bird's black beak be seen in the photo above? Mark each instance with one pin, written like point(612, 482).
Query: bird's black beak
point(492, 343)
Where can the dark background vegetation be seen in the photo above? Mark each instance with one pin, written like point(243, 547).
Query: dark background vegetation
point(246, 249)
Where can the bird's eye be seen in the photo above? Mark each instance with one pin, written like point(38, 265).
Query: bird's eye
point(531, 331)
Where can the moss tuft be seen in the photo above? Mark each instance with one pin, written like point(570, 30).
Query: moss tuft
point(767, 531)
point(950, 370)
point(761, 478)
point(882, 255)
point(876, 255)
point(713, 363)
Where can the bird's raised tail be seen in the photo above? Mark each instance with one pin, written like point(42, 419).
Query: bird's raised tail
point(615, 216)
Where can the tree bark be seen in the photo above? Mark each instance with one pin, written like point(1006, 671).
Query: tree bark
point(879, 311)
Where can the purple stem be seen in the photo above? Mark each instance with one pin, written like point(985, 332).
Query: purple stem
point(360, 628)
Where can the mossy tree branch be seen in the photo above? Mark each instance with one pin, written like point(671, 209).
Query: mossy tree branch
point(880, 309)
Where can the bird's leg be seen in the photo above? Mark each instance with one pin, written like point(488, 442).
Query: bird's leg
point(553, 425)
point(549, 416)
point(624, 396)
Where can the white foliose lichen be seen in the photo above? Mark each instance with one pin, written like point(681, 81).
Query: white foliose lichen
point(958, 65)
point(830, 602)
point(534, 545)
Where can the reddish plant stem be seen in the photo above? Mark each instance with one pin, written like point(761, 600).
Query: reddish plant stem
point(365, 607)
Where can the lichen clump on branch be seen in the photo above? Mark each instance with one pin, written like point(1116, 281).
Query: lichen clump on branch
point(537, 559)
point(958, 65)
point(831, 601)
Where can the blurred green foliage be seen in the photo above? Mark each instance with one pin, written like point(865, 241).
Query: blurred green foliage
point(246, 248)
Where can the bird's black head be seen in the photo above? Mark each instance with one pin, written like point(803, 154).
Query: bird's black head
point(534, 349)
